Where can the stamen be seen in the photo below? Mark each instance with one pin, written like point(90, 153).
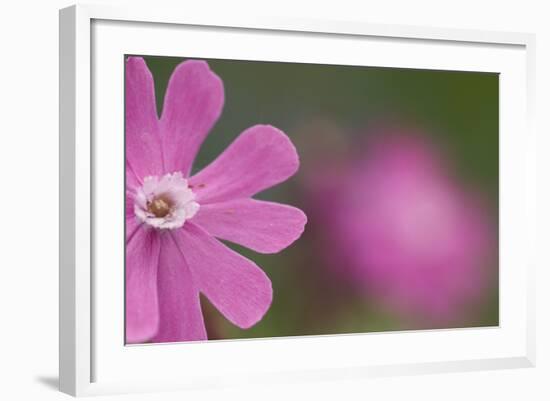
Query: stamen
point(159, 206)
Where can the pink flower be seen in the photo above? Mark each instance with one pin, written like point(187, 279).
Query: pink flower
point(173, 219)
point(405, 231)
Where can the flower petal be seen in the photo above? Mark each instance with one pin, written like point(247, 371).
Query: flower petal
point(143, 149)
point(262, 156)
point(132, 222)
point(132, 225)
point(238, 288)
point(128, 205)
point(142, 256)
point(179, 303)
point(265, 227)
point(132, 180)
point(192, 104)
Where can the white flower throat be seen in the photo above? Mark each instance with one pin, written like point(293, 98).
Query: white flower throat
point(166, 202)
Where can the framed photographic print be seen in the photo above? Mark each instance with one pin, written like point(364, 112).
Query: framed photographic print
point(270, 200)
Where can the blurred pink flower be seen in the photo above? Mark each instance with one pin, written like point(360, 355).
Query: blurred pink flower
point(399, 226)
point(173, 220)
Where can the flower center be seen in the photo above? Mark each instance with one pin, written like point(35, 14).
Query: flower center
point(160, 206)
point(165, 202)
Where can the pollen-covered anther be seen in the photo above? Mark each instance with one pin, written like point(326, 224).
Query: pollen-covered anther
point(160, 206)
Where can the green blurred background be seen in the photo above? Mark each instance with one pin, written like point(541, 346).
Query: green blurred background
point(458, 109)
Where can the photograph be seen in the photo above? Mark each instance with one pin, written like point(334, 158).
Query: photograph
point(269, 199)
point(281, 200)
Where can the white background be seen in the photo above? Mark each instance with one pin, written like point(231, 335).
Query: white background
point(28, 199)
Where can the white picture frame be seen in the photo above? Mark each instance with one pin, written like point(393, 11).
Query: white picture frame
point(93, 357)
